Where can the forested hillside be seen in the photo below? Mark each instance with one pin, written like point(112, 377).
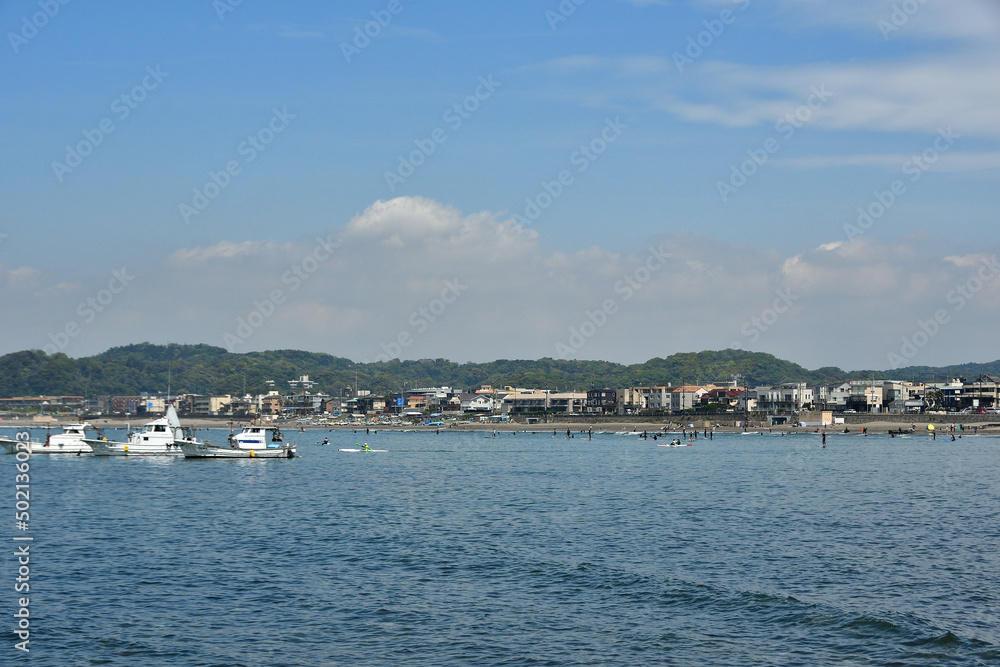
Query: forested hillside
point(134, 369)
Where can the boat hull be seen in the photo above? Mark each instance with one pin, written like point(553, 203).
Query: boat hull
point(203, 450)
point(52, 447)
point(108, 448)
point(11, 446)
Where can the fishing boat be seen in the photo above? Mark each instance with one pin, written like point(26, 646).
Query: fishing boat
point(157, 438)
point(70, 441)
point(254, 442)
point(13, 446)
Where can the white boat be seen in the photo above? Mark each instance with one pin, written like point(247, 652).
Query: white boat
point(254, 442)
point(157, 438)
point(11, 446)
point(70, 441)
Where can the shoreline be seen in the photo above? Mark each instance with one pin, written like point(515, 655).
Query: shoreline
point(873, 426)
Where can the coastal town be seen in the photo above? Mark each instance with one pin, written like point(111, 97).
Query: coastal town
point(725, 400)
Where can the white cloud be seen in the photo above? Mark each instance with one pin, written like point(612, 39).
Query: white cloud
point(902, 96)
point(957, 19)
point(221, 251)
point(882, 89)
point(18, 277)
point(852, 300)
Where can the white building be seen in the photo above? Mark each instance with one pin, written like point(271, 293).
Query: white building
point(786, 396)
point(686, 397)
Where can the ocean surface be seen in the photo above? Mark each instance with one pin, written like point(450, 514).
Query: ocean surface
point(465, 549)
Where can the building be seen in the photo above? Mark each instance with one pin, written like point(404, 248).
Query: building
point(527, 401)
point(246, 406)
point(866, 395)
point(521, 401)
point(124, 405)
point(601, 402)
point(303, 382)
point(304, 402)
point(832, 397)
point(206, 405)
point(435, 398)
point(370, 405)
point(568, 402)
point(44, 403)
point(983, 392)
point(724, 398)
point(631, 400)
point(477, 402)
point(789, 396)
point(417, 402)
point(270, 404)
point(657, 398)
point(686, 397)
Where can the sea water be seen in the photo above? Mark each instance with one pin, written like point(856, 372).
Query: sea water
point(526, 549)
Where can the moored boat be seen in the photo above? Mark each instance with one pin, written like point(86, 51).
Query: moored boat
point(70, 441)
point(157, 438)
point(254, 442)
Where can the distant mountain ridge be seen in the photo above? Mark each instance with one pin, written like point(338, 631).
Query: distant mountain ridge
point(205, 369)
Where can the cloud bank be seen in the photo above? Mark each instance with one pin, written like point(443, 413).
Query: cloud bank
point(414, 278)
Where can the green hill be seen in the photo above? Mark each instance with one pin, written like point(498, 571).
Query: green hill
point(144, 367)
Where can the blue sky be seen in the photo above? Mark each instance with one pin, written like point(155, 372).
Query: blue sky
point(740, 138)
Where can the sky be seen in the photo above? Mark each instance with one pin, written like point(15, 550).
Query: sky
point(585, 179)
